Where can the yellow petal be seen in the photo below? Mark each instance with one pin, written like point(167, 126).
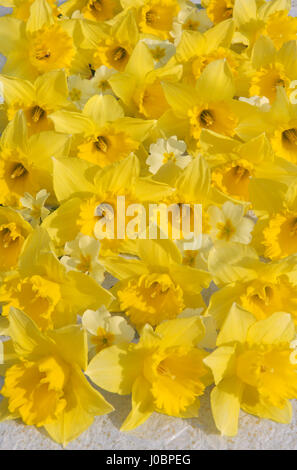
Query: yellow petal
point(216, 82)
point(221, 362)
point(181, 331)
point(103, 109)
point(236, 326)
point(278, 328)
point(52, 89)
point(70, 177)
point(142, 405)
point(71, 344)
point(225, 404)
point(115, 369)
point(84, 402)
point(16, 90)
point(41, 14)
point(25, 335)
point(70, 122)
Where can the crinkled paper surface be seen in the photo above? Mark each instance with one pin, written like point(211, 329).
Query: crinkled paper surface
point(159, 432)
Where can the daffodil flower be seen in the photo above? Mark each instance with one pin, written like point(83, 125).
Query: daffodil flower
point(158, 286)
point(14, 230)
point(42, 288)
point(37, 99)
point(44, 384)
point(164, 371)
point(261, 288)
point(26, 163)
point(252, 369)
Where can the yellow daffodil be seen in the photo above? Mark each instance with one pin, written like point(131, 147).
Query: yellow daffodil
point(207, 106)
point(139, 87)
point(95, 10)
point(260, 287)
point(25, 164)
point(21, 8)
point(13, 232)
point(105, 135)
point(156, 287)
point(43, 289)
point(157, 17)
point(37, 46)
point(164, 371)
point(44, 384)
point(81, 197)
point(47, 94)
point(253, 369)
point(273, 68)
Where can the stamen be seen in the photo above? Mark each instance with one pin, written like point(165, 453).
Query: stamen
point(119, 54)
point(240, 173)
point(206, 118)
point(289, 136)
point(96, 5)
point(42, 53)
point(151, 17)
point(18, 171)
point(6, 237)
point(37, 113)
point(101, 144)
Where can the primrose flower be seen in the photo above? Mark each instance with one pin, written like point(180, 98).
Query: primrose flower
point(80, 90)
point(164, 371)
point(82, 254)
point(105, 330)
point(230, 224)
point(161, 51)
point(254, 368)
point(100, 81)
point(34, 211)
point(167, 150)
point(44, 384)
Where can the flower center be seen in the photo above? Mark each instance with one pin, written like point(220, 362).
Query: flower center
point(102, 144)
point(35, 390)
point(103, 339)
point(42, 53)
point(96, 5)
point(240, 173)
point(206, 118)
point(289, 136)
point(151, 17)
point(18, 171)
point(7, 237)
point(37, 113)
point(119, 54)
point(151, 299)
